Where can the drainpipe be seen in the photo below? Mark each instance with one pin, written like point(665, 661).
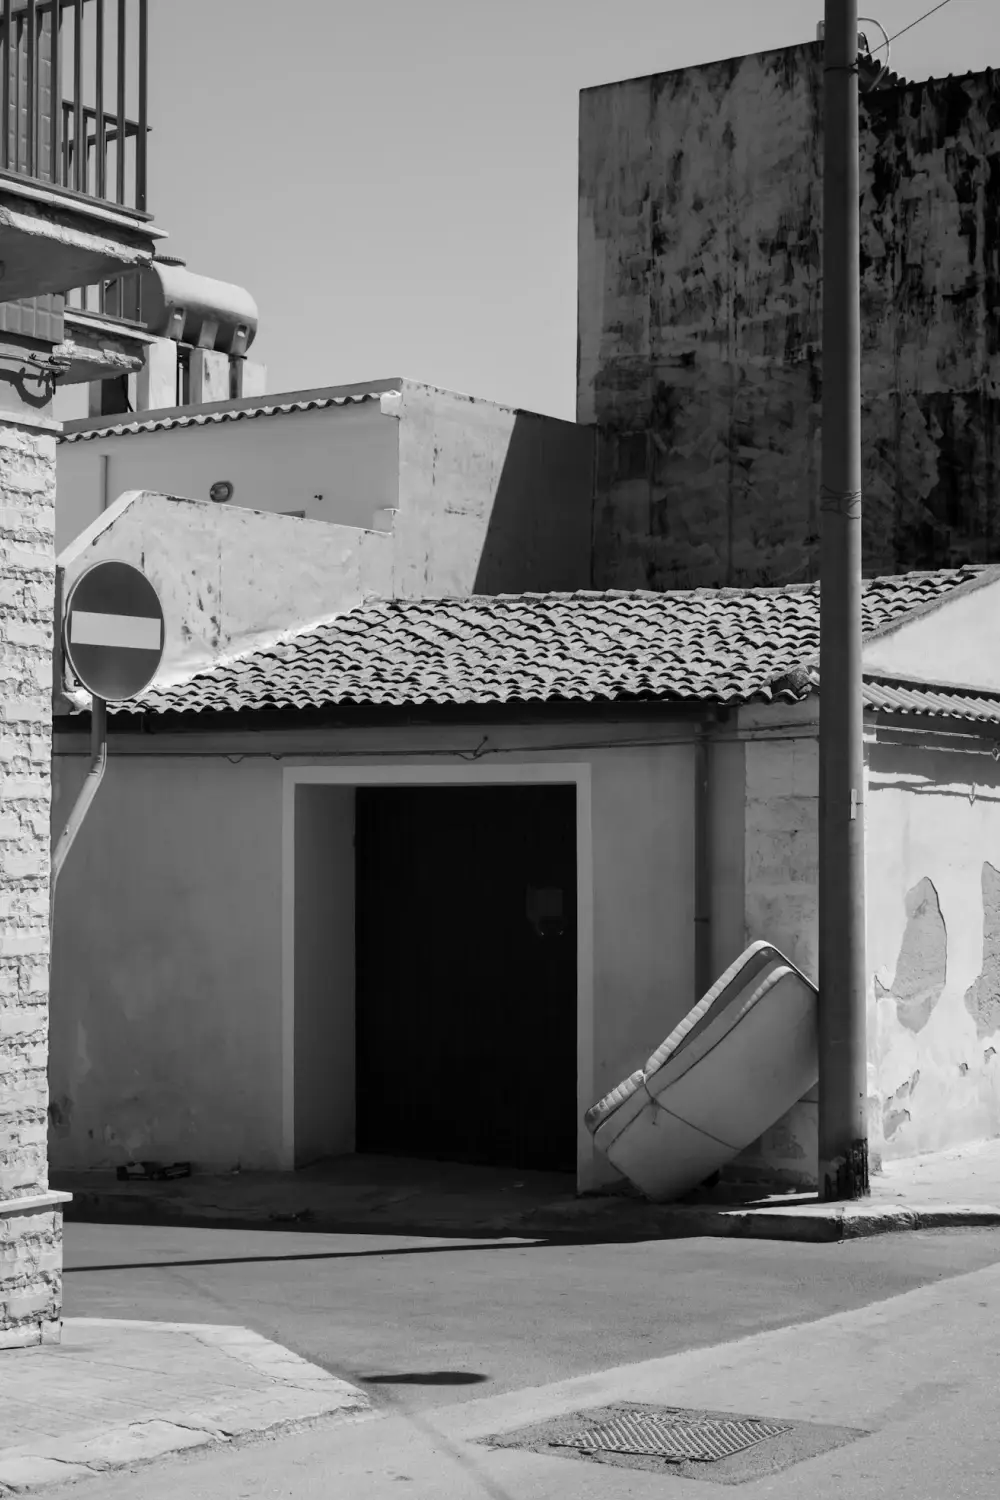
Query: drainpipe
point(105, 479)
point(702, 865)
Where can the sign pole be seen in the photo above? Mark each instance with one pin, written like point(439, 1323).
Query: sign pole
point(112, 640)
point(843, 1062)
point(86, 795)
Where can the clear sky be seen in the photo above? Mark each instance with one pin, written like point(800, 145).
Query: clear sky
point(395, 182)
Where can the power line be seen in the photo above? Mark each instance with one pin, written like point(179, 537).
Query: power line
point(917, 22)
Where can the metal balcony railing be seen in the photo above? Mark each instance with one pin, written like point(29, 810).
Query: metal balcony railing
point(92, 142)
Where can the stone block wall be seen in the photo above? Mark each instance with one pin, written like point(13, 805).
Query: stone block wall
point(30, 1223)
point(781, 872)
point(30, 1275)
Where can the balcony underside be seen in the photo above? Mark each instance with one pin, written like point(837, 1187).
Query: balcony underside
point(52, 241)
point(99, 348)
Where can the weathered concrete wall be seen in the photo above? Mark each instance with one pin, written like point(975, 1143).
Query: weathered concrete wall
point(700, 321)
point(166, 1038)
point(933, 944)
point(30, 1224)
point(229, 579)
point(338, 463)
point(491, 500)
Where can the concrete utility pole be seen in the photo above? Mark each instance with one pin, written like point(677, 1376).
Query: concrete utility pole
point(843, 1125)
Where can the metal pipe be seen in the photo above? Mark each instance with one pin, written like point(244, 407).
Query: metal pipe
point(100, 144)
point(86, 795)
point(140, 140)
point(7, 65)
point(55, 93)
point(105, 480)
point(702, 866)
point(79, 129)
point(843, 1125)
point(31, 99)
point(120, 142)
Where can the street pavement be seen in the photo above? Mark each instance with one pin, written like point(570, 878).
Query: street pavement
point(914, 1362)
point(425, 1322)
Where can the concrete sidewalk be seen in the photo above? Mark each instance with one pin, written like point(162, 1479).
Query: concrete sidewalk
point(359, 1194)
point(117, 1393)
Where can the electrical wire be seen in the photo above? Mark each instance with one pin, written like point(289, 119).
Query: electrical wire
point(917, 22)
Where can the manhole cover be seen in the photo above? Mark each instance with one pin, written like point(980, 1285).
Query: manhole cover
point(675, 1438)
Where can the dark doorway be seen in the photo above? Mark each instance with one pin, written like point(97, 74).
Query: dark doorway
point(466, 974)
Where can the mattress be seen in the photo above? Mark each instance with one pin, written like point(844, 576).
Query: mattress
point(735, 1064)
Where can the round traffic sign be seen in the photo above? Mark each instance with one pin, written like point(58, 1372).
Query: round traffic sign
point(113, 632)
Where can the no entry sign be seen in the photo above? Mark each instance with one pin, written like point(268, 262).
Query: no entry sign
point(113, 634)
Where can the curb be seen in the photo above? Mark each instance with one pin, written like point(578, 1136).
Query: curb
point(819, 1224)
point(619, 1217)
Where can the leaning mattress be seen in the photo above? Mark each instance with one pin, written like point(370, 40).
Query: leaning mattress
point(735, 1064)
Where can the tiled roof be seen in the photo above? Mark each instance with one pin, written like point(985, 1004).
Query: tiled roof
point(724, 646)
point(208, 418)
point(892, 696)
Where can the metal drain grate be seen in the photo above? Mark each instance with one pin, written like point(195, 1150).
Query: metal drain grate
point(675, 1438)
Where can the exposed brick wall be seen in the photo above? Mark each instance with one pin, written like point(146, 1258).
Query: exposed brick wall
point(29, 1258)
point(700, 321)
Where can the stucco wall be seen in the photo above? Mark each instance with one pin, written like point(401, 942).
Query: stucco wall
point(165, 1020)
point(957, 641)
point(230, 578)
point(166, 1010)
point(338, 463)
point(491, 500)
point(700, 321)
point(933, 944)
point(644, 983)
point(324, 972)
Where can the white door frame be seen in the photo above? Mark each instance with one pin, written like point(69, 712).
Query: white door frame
point(404, 773)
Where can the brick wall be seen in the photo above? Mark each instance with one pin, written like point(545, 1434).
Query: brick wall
point(29, 1241)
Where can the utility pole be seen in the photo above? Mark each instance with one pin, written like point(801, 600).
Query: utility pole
point(843, 1061)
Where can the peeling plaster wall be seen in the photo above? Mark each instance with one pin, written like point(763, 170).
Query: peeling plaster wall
point(228, 578)
point(700, 320)
point(933, 946)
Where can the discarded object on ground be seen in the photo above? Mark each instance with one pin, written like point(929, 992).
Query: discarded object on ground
point(735, 1064)
point(152, 1171)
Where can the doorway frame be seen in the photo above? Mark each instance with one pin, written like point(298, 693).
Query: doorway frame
point(399, 774)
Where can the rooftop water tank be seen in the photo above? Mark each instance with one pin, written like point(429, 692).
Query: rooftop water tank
point(190, 309)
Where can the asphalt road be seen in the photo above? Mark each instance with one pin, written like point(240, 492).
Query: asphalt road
point(425, 1323)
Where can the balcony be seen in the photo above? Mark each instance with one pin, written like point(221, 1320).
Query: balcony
point(73, 212)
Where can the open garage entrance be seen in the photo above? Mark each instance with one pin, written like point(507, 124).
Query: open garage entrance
point(466, 974)
point(435, 973)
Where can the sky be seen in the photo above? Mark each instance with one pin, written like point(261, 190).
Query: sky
point(396, 182)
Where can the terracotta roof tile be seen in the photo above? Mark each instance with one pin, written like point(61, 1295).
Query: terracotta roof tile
point(724, 646)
